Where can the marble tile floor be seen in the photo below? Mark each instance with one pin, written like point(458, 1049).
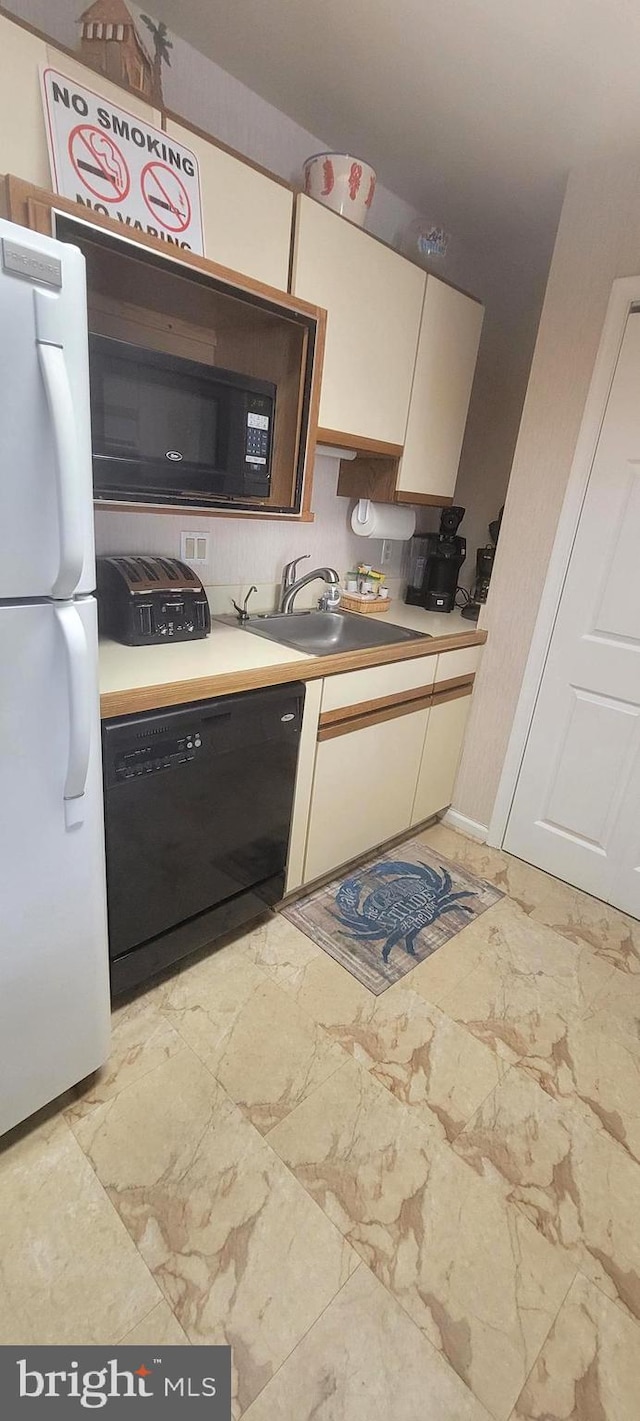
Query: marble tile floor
point(420, 1205)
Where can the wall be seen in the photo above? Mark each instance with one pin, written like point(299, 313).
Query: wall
point(598, 240)
point(246, 551)
point(508, 339)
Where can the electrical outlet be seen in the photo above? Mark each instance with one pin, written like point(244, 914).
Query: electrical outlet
point(194, 547)
point(387, 551)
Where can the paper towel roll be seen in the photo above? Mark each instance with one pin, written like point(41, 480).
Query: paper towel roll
point(383, 520)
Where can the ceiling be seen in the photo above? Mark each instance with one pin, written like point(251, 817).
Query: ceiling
point(472, 110)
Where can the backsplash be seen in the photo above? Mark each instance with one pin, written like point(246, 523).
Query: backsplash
point(245, 551)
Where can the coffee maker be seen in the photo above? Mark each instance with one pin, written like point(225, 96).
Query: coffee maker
point(436, 559)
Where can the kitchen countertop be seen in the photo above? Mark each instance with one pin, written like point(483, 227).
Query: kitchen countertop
point(138, 678)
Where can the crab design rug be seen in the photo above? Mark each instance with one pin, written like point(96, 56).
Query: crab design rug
point(392, 912)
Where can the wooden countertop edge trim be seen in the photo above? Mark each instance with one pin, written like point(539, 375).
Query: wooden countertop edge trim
point(173, 693)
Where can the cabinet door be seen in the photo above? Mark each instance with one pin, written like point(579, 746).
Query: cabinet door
point(445, 366)
point(373, 298)
point(23, 143)
point(363, 790)
point(356, 688)
point(440, 757)
point(246, 215)
point(304, 785)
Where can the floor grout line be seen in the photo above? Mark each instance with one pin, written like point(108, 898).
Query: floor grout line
point(120, 1221)
point(615, 1302)
point(440, 1354)
point(544, 1343)
point(359, 1265)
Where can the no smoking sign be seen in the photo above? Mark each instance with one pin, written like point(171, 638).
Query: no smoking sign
point(100, 165)
point(111, 161)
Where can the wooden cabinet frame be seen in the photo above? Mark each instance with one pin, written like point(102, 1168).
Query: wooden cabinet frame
point(45, 212)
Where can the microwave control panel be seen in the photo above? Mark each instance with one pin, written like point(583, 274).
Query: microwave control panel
point(258, 433)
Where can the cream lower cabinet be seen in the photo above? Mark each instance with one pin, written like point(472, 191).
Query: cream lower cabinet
point(363, 790)
point(389, 741)
point(440, 757)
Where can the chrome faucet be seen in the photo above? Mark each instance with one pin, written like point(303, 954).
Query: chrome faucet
point(289, 576)
point(291, 586)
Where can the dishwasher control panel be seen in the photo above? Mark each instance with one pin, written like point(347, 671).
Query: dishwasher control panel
point(156, 755)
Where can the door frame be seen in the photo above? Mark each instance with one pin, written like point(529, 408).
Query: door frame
point(625, 294)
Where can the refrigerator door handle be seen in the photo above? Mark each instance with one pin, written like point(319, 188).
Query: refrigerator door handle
point(81, 689)
point(70, 472)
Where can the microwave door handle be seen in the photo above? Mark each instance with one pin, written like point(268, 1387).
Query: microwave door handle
point(80, 683)
point(70, 472)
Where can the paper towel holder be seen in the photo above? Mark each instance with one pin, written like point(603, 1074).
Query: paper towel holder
point(372, 520)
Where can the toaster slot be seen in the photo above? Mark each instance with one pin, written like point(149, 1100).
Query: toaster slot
point(145, 619)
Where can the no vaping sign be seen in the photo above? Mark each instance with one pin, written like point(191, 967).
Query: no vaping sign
point(113, 162)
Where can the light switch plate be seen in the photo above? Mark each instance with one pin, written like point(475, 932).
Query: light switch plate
point(194, 547)
point(387, 551)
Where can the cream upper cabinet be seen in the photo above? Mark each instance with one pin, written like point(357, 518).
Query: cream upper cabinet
point(23, 143)
point(246, 215)
point(374, 300)
point(444, 370)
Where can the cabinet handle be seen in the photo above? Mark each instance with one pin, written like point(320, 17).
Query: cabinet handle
point(358, 717)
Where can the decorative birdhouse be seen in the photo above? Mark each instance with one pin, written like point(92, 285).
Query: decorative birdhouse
point(109, 42)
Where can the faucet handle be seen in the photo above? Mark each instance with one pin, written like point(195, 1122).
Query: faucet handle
point(290, 568)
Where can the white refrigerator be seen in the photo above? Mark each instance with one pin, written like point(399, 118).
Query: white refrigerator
point(54, 977)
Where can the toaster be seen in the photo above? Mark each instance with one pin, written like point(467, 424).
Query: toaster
point(143, 601)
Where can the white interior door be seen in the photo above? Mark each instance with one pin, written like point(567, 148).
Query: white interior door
point(54, 987)
point(576, 810)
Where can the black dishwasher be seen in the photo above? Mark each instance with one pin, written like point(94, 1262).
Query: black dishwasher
point(198, 803)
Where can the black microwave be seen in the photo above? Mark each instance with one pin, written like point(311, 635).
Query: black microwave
point(168, 430)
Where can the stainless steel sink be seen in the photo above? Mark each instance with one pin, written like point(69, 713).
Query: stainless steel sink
point(325, 633)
